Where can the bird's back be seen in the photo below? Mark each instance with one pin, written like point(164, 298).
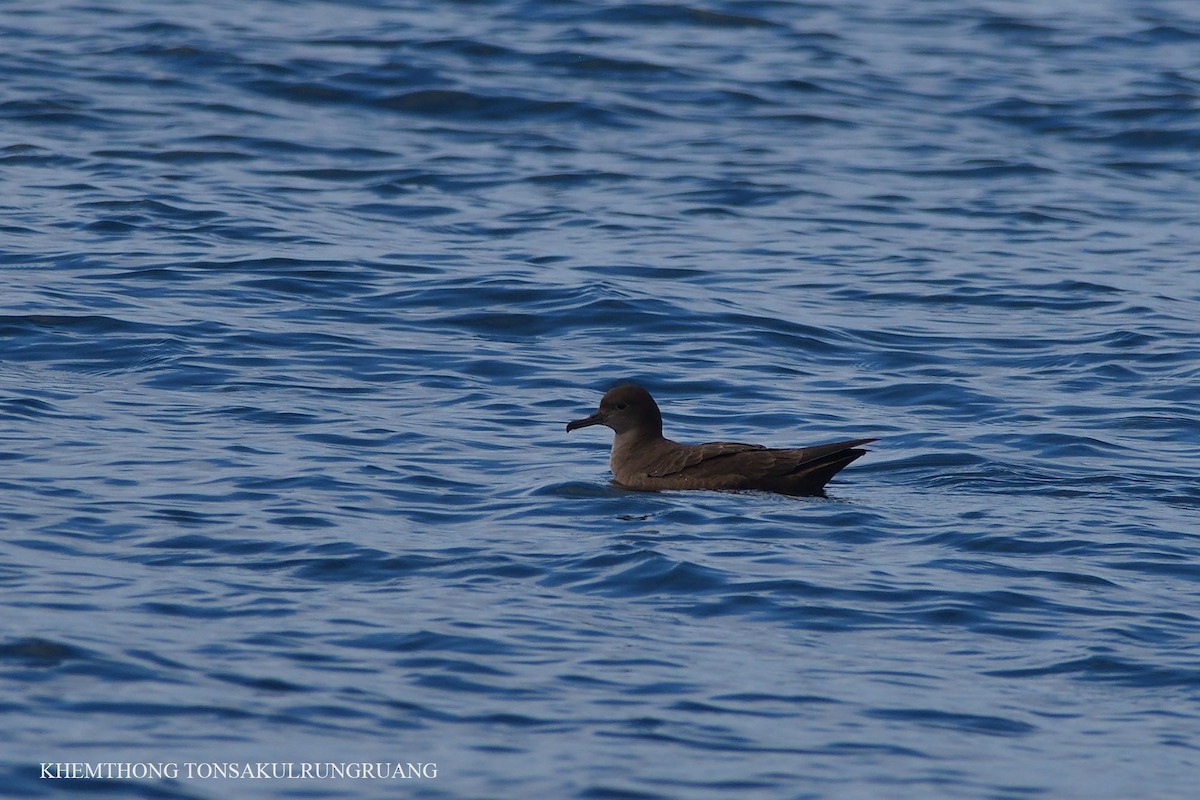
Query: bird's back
point(732, 465)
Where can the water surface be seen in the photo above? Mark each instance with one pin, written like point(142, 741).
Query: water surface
point(296, 298)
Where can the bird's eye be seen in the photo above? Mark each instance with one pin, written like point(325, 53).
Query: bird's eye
point(621, 406)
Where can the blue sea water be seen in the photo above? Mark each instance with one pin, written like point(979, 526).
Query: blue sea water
point(296, 298)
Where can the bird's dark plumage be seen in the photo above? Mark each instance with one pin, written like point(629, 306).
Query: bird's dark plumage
point(643, 459)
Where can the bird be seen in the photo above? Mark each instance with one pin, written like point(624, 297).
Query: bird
point(642, 459)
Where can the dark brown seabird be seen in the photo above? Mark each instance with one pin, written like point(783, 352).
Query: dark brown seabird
point(643, 459)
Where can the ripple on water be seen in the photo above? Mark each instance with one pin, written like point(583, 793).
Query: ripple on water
point(296, 308)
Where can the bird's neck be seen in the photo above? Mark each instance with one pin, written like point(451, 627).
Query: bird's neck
point(637, 436)
point(631, 447)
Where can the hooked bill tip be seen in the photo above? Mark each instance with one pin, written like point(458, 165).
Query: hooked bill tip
point(594, 419)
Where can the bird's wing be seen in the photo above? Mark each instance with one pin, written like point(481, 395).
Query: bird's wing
point(686, 457)
point(749, 460)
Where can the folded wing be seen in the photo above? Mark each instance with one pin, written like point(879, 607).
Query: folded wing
point(801, 470)
point(697, 456)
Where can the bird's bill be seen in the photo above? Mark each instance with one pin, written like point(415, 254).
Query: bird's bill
point(594, 419)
